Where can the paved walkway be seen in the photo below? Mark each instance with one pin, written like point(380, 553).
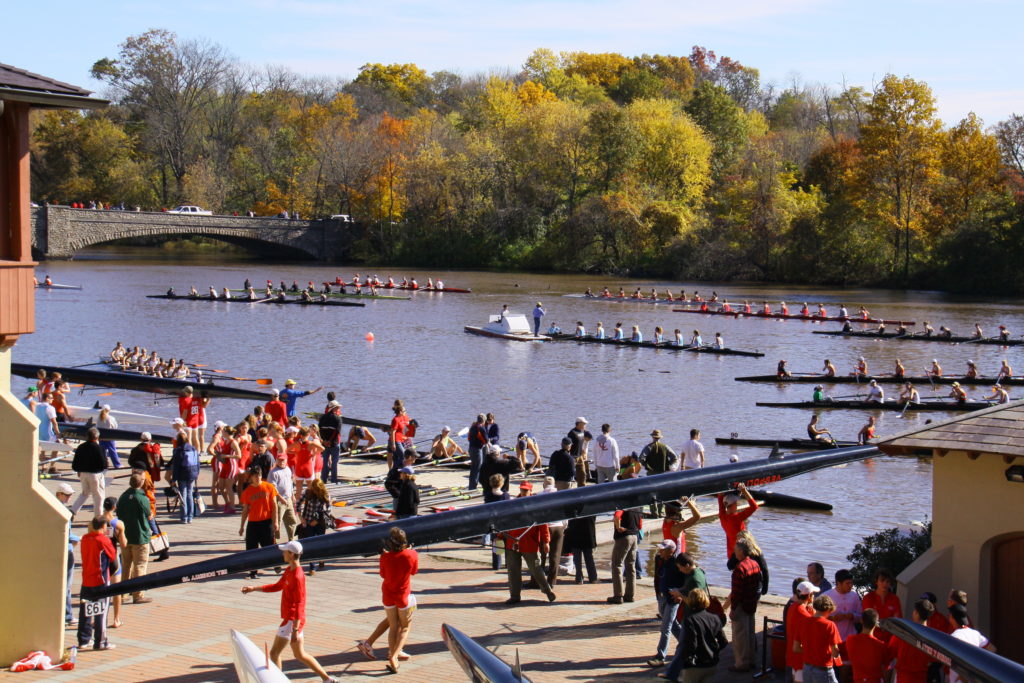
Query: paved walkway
point(182, 636)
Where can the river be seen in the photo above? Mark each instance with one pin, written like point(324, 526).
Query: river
point(421, 354)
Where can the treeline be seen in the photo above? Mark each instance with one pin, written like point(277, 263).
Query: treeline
point(685, 167)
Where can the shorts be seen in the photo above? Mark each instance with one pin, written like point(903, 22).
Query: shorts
point(304, 480)
point(409, 605)
point(285, 631)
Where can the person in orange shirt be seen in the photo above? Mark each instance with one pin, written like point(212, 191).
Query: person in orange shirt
point(884, 600)
point(259, 513)
point(868, 655)
point(819, 641)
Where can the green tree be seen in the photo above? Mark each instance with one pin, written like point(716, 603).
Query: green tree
point(723, 121)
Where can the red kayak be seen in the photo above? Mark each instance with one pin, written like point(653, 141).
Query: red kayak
point(453, 290)
point(797, 316)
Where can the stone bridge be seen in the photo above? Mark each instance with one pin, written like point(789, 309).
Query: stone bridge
point(59, 231)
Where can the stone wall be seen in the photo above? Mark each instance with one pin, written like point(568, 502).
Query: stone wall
point(59, 231)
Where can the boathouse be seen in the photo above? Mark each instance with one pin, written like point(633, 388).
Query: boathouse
point(978, 518)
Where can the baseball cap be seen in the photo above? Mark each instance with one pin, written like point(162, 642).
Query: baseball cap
point(106, 406)
point(65, 488)
point(289, 382)
point(177, 421)
point(146, 436)
point(734, 458)
point(407, 470)
point(220, 423)
point(275, 392)
point(807, 588)
point(291, 546)
point(667, 544)
point(526, 486)
point(581, 419)
point(446, 428)
point(291, 430)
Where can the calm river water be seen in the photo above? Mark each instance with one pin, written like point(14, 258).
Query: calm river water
point(445, 376)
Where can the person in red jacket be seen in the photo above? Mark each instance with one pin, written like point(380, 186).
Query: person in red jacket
point(732, 519)
point(99, 561)
point(523, 545)
point(911, 663)
point(868, 655)
point(819, 641)
point(292, 587)
point(799, 610)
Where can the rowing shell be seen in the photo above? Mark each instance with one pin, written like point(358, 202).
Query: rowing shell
point(868, 334)
point(796, 316)
point(452, 290)
point(882, 379)
point(670, 346)
point(788, 444)
point(339, 295)
point(56, 286)
point(889, 405)
point(298, 302)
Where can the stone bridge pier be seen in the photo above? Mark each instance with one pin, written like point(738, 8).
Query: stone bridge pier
point(60, 231)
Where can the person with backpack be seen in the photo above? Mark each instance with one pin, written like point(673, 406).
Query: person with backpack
point(183, 473)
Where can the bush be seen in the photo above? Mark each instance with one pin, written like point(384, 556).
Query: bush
point(892, 549)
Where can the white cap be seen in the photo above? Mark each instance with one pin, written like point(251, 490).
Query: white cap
point(275, 392)
point(177, 421)
point(807, 588)
point(65, 488)
point(734, 458)
point(106, 406)
point(667, 544)
point(581, 419)
point(146, 436)
point(446, 428)
point(293, 547)
point(333, 404)
point(290, 430)
point(220, 423)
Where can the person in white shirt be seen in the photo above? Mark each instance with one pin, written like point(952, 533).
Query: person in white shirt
point(606, 455)
point(550, 560)
point(693, 452)
point(875, 392)
point(281, 477)
point(848, 610)
point(963, 632)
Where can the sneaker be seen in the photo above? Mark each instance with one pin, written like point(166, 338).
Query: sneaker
point(551, 596)
point(627, 599)
point(141, 601)
point(513, 601)
point(578, 581)
point(105, 646)
point(614, 600)
point(655, 662)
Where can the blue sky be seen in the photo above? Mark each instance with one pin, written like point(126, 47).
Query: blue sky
point(967, 52)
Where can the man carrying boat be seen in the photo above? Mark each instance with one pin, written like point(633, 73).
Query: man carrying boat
point(819, 434)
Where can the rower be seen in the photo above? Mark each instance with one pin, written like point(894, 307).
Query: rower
point(443, 447)
point(696, 296)
point(588, 293)
point(909, 394)
point(430, 283)
point(822, 313)
point(704, 306)
point(847, 327)
point(747, 308)
point(726, 307)
point(413, 284)
point(405, 283)
point(977, 332)
point(327, 288)
point(250, 293)
point(213, 292)
point(638, 294)
point(580, 330)
point(1004, 334)
point(829, 369)
point(864, 315)
point(391, 282)
point(309, 287)
point(295, 286)
point(356, 435)
point(719, 342)
point(269, 291)
point(668, 294)
point(898, 370)
point(47, 282)
point(781, 370)
point(867, 432)
point(999, 394)
point(606, 293)
point(901, 330)
point(525, 443)
point(766, 308)
point(170, 292)
point(804, 311)
point(281, 296)
point(875, 393)
point(880, 330)
point(304, 296)
point(945, 332)
point(599, 332)
point(861, 368)
point(935, 371)
point(972, 370)
point(118, 352)
point(659, 335)
point(927, 330)
point(819, 394)
point(226, 294)
point(678, 341)
point(322, 298)
point(819, 434)
point(695, 339)
point(783, 308)
point(843, 313)
point(283, 287)
point(654, 295)
point(682, 295)
point(622, 293)
point(617, 334)
point(957, 392)
point(637, 336)
point(1005, 372)
point(554, 329)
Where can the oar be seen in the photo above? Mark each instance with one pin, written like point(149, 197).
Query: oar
point(979, 339)
point(86, 365)
point(836, 398)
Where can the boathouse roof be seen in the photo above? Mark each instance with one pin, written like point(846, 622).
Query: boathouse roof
point(998, 430)
point(19, 85)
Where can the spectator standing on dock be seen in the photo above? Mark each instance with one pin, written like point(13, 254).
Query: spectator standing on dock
point(606, 455)
point(276, 408)
point(99, 561)
point(259, 513)
point(742, 606)
point(146, 456)
point(581, 539)
point(848, 604)
point(628, 523)
point(497, 492)
point(182, 473)
point(496, 462)
point(556, 530)
point(869, 657)
point(330, 436)
point(883, 599)
point(581, 439)
point(314, 515)
point(408, 502)
point(816, 575)
point(756, 554)
point(693, 452)
point(797, 611)
point(963, 632)
point(657, 458)
point(292, 587)
point(477, 440)
point(63, 494)
point(107, 421)
point(523, 545)
point(281, 477)
point(819, 642)
point(732, 519)
point(90, 463)
point(134, 513)
point(667, 576)
point(911, 663)
point(290, 395)
point(562, 466)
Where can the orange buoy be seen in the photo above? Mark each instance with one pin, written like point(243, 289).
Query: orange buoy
point(369, 336)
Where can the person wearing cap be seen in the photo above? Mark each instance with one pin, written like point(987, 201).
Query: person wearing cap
point(818, 642)
point(443, 447)
point(146, 455)
point(290, 395)
point(276, 408)
point(658, 458)
point(875, 392)
point(90, 463)
point(63, 494)
point(524, 545)
point(259, 513)
point(794, 615)
point(999, 394)
point(732, 519)
point(972, 370)
point(860, 369)
point(280, 475)
point(819, 394)
point(538, 313)
point(397, 434)
point(182, 473)
point(408, 501)
point(666, 576)
point(606, 455)
point(957, 393)
point(581, 439)
point(107, 421)
point(497, 462)
point(330, 436)
point(562, 466)
point(935, 371)
point(477, 440)
point(292, 587)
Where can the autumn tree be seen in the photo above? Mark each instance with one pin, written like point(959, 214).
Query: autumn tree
point(900, 144)
point(971, 164)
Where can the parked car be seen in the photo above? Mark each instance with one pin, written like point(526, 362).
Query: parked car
point(194, 210)
point(343, 217)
